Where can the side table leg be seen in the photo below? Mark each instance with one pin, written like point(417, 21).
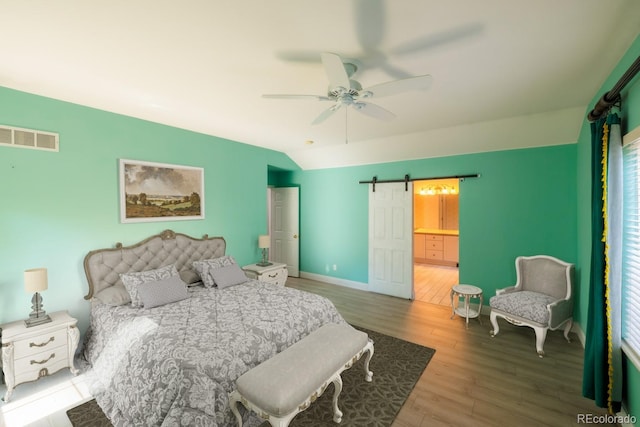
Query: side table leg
point(453, 309)
point(73, 336)
point(8, 368)
point(7, 395)
point(466, 307)
point(480, 310)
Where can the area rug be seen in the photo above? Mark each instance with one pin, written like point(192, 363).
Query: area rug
point(396, 364)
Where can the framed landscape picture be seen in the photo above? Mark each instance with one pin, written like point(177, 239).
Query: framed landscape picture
point(160, 192)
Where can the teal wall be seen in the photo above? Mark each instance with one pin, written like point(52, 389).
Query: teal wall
point(58, 206)
point(630, 115)
point(523, 203)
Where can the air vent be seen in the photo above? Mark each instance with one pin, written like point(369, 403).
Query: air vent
point(29, 138)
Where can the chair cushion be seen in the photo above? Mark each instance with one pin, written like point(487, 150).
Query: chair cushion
point(525, 304)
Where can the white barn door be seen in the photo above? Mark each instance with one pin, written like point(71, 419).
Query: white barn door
point(285, 246)
point(391, 239)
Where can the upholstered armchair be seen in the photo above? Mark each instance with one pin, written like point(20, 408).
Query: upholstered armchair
point(541, 298)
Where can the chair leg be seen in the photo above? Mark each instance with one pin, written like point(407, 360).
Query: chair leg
point(233, 402)
point(368, 375)
point(337, 413)
point(541, 335)
point(567, 329)
point(494, 323)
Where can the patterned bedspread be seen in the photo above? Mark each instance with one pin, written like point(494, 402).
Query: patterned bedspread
point(175, 364)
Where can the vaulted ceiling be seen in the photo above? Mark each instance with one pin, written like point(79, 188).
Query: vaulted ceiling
point(506, 73)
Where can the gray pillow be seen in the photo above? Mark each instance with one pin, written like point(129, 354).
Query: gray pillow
point(228, 275)
point(161, 292)
point(205, 266)
point(131, 281)
point(190, 277)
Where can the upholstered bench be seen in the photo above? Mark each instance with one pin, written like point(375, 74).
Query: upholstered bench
point(281, 387)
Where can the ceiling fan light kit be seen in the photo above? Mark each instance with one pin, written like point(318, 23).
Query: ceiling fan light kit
point(346, 92)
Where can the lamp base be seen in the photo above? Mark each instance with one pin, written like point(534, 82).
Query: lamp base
point(37, 316)
point(35, 321)
point(264, 261)
point(263, 264)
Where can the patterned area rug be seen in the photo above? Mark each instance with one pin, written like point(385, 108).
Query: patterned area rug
point(396, 364)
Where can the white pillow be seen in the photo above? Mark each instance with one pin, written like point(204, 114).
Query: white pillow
point(161, 292)
point(131, 281)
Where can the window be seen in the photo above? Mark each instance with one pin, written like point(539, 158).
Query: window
point(631, 248)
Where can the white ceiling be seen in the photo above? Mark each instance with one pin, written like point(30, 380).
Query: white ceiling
point(506, 73)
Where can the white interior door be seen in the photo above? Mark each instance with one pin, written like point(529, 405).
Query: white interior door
point(391, 239)
point(285, 244)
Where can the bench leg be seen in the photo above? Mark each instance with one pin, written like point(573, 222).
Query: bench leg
point(234, 398)
point(368, 375)
point(337, 413)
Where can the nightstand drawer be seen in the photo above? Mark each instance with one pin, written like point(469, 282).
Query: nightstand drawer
point(275, 273)
point(39, 343)
point(31, 368)
point(278, 276)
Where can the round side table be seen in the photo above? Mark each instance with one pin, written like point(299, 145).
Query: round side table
point(468, 292)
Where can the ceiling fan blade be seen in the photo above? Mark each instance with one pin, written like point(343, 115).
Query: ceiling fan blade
point(434, 40)
point(336, 73)
point(398, 86)
point(302, 56)
point(326, 114)
point(284, 96)
point(373, 110)
point(370, 23)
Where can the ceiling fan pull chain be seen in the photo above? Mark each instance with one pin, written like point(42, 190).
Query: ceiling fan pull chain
point(346, 126)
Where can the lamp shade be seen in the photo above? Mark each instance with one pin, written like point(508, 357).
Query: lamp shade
point(35, 280)
point(264, 241)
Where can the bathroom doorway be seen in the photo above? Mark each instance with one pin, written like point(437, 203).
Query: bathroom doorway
point(436, 239)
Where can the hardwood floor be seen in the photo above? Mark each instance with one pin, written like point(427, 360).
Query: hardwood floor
point(432, 283)
point(473, 379)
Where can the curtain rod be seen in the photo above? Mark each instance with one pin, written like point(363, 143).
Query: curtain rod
point(406, 179)
point(610, 98)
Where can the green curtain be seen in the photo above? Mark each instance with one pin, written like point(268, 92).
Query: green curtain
point(598, 370)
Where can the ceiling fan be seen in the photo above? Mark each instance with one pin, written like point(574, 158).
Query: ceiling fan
point(345, 92)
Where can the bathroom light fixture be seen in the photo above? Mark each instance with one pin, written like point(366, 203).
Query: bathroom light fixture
point(438, 189)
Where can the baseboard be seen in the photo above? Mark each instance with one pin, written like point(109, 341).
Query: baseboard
point(335, 281)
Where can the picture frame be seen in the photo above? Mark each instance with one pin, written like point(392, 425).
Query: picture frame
point(152, 191)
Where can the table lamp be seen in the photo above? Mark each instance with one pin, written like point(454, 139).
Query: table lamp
point(35, 280)
point(263, 243)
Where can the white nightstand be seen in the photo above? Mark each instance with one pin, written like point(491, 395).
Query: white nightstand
point(275, 273)
point(32, 353)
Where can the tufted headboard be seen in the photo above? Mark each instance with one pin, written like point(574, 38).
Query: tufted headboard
point(104, 266)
